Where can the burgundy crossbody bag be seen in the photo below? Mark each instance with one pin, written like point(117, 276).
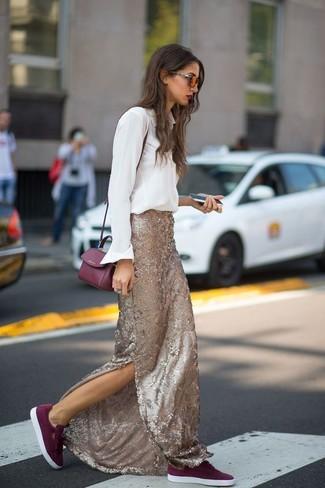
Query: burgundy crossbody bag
point(91, 270)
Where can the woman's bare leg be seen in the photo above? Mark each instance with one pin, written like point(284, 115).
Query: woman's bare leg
point(90, 393)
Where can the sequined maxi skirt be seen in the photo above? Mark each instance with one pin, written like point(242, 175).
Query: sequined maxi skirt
point(154, 419)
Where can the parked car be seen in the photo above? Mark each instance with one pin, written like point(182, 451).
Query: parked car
point(274, 211)
point(12, 249)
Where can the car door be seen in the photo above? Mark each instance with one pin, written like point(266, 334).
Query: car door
point(307, 198)
point(267, 225)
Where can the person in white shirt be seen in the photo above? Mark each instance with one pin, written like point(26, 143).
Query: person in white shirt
point(7, 148)
point(75, 188)
point(139, 412)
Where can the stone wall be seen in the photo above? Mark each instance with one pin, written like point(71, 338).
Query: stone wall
point(301, 84)
point(218, 33)
point(105, 66)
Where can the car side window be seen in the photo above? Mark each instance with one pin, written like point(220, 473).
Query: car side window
point(271, 177)
point(298, 177)
point(320, 173)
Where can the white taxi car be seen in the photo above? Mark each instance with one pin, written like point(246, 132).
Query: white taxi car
point(274, 211)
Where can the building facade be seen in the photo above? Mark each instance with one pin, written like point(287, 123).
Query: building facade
point(74, 62)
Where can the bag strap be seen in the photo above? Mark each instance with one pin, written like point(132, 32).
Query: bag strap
point(106, 209)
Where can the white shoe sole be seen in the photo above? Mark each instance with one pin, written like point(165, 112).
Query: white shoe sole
point(40, 440)
point(199, 481)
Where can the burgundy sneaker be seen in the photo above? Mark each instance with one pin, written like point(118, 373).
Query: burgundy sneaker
point(204, 474)
point(50, 439)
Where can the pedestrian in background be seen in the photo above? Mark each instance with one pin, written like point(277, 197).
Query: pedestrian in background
point(139, 412)
point(241, 144)
point(7, 170)
point(75, 187)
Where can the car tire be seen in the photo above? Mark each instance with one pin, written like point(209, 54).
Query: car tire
point(226, 264)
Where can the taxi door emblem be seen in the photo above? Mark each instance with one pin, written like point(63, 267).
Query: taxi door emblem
point(274, 230)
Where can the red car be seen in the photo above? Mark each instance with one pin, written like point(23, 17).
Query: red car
point(12, 249)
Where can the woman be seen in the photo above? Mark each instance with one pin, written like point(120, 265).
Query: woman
point(139, 412)
point(76, 184)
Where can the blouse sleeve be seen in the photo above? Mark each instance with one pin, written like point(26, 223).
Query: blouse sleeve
point(91, 152)
point(64, 150)
point(127, 147)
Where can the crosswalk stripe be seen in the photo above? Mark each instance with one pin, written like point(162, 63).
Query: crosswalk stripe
point(17, 443)
point(253, 458)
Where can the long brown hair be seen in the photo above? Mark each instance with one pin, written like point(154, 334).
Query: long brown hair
point(171, 58)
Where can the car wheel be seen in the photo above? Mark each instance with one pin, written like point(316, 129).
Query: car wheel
point(227, 261)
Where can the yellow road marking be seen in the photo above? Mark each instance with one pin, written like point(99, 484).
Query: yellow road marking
point(200, 297)
point(53, 320)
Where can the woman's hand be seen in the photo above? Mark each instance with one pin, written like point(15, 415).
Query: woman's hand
point(123, 277)
point(209, 205)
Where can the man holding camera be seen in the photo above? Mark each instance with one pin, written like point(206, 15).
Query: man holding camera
point(7, 170)
point(75, 187)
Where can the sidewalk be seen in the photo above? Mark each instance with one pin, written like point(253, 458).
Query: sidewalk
point(42, 258)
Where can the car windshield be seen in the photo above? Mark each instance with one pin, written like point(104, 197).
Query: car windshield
point(212, 179)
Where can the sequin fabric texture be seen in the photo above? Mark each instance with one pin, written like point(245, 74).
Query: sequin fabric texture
point(154, 419)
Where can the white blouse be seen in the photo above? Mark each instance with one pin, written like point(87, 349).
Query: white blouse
point(135, 189)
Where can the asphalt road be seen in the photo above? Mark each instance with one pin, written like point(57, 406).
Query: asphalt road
point(261, 369)
point(61, 291)
point(38, 293)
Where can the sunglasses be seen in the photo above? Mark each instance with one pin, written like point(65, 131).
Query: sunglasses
point(191, 79)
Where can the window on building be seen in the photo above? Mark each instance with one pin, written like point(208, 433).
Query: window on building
point(163, 24)
point(34, 44)
point(261, 55)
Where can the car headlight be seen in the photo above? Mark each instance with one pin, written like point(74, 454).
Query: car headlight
point(82, 222)
point(190, 222)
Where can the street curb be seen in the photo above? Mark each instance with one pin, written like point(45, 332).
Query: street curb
point(53, 320)
point(245, 291)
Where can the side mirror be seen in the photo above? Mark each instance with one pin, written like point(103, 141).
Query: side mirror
point(260, 192)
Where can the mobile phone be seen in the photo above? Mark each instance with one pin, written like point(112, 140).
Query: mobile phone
point(201, 198)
